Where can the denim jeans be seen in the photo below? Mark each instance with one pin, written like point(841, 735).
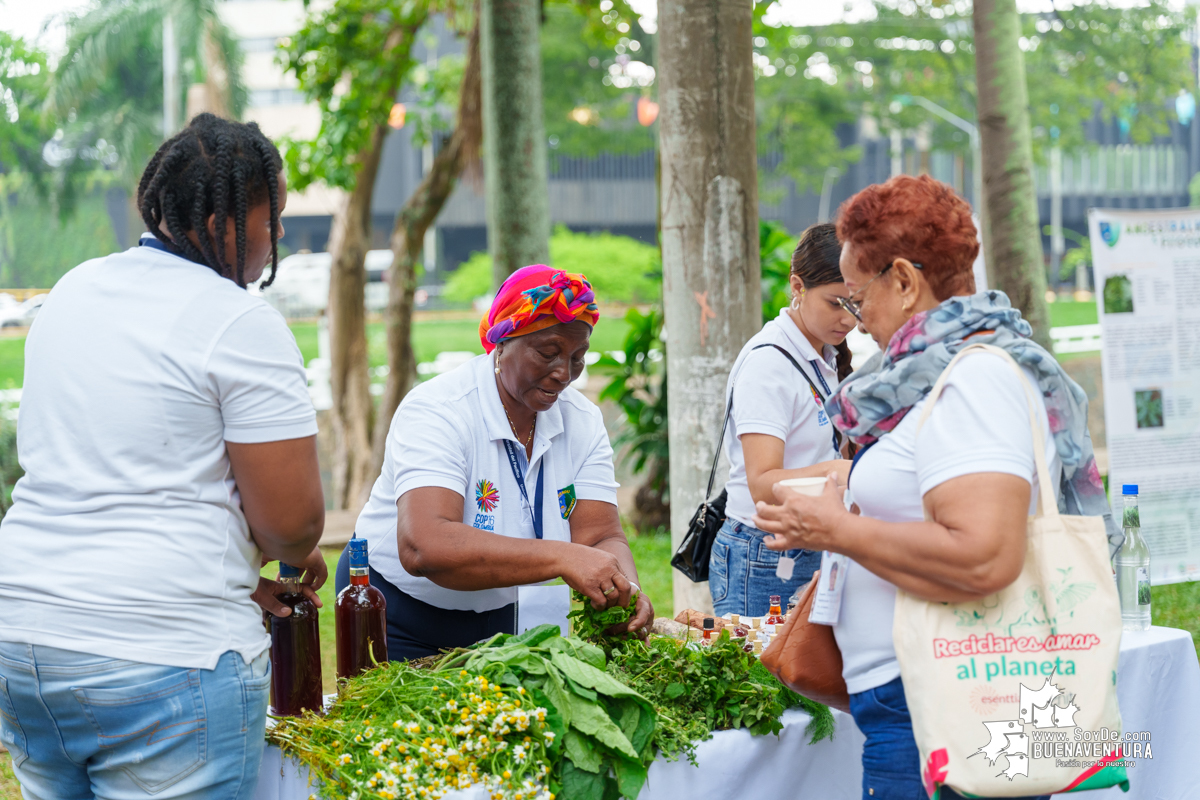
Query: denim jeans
point(891, 763)
point(80, 726)
point(741, 571)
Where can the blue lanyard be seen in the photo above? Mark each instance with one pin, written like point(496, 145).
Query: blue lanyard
point(536, 506)
point(817, 371)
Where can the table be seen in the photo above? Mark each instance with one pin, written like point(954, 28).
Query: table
point(1158, 688)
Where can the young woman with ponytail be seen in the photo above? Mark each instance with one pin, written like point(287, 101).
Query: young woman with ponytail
point(778, 427)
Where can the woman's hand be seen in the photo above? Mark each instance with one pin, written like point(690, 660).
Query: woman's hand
point(642, 617)
point(316, 572)
point(800, 521)
point(597, 574)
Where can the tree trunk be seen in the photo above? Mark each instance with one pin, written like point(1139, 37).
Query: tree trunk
point(1012, 240)
point(711, 268)
point(352, 408)
point(419, 212)
point(514, 160)
point(216, 74)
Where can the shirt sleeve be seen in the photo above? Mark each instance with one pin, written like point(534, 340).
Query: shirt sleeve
point(258, 375)
point(596, 479)
point(767, 395)
point(979, 424)
point(428, 448)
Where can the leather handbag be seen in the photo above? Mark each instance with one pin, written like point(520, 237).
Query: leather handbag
point(694, 551)
point(805, 656)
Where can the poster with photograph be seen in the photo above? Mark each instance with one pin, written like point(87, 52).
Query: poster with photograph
point(1147, 273)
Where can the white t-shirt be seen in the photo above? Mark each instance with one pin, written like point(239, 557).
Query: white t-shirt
point(450, 433)
point(126, 537)
point(979, 424)
point(770, 397)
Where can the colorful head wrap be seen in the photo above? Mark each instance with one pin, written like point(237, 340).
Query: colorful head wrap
point(534, 298)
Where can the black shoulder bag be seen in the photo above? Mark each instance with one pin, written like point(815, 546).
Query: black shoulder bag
point(694, 551)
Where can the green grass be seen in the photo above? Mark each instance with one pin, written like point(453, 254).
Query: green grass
point(1177, 605)
point(652, 554)
point(12, 362)
point(9, 788)
point(1071, 313)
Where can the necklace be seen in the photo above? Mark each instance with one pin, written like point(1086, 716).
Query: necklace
point(528, 438)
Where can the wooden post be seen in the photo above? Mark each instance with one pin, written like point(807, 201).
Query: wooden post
point(1012, 239)
point(711, 271)
point(514, 138)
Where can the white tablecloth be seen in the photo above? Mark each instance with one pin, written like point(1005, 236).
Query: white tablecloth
point(1158, 688)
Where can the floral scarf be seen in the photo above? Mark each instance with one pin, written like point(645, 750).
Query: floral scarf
point(873, 400)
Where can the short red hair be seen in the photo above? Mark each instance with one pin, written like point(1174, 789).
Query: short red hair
point(917, 218)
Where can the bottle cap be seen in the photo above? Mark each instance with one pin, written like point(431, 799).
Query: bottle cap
point(709, 624)
point(358, 553)
point(1129, 488)
point(774, 599)
point(288, 571)
point(735, 618)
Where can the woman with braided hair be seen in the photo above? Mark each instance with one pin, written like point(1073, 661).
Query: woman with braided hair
point(169, 446)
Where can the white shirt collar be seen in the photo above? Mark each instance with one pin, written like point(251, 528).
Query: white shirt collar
point(800, 342)
point(549, 423)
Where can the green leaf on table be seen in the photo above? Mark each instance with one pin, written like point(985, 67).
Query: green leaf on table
point(583, 753)
point(631, 777)
point(579, 784)
point(577, 648)
point(587, 675)
point(591, 719)
point(675, 689)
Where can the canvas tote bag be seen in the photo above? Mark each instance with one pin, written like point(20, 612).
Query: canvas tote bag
point(998, 688)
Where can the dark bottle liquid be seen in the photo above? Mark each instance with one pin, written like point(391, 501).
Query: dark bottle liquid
point(295, 651)
point(361, 616)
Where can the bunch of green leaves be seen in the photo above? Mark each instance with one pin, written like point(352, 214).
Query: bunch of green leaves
point(709, 687)
point(592, 624)
point(608, 727)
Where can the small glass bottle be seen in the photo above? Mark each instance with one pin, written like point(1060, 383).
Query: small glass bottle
point(361, 617)
point(758, 648)
point(775, 615)
point(1133, 566)
point(295, 650)
point(755, 623)
point(709, 626)
point(751, 639)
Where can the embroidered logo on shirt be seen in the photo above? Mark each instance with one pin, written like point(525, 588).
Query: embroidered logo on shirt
point(822, 419)
point(566, 501)
point(487, 496)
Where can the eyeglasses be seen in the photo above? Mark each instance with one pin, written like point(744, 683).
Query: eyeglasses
point(854, 307)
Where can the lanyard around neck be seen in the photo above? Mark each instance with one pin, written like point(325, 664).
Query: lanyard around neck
point(535, 508)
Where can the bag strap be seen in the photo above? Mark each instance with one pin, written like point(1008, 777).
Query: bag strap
point(1039, 442)
point(837, 436)
point(712, 475)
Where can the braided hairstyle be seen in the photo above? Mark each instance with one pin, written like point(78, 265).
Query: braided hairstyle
point(815, 262)
point(213, 166)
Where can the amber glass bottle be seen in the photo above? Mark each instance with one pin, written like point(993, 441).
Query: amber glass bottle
point(295, 651)
point(361, 617)
point(775, 615)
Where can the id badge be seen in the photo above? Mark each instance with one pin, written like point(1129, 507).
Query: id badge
point(827, 601)
point(785, 568)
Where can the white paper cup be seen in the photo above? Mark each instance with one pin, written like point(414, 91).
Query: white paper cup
point(813, 487)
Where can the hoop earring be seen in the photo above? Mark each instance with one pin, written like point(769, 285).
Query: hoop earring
point(795, 303)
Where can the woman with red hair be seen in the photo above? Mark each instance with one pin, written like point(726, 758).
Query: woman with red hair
point(907, 251)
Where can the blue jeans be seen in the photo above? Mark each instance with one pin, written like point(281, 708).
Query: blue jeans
point(741, 571)
point(81, 726)
point(891, 762)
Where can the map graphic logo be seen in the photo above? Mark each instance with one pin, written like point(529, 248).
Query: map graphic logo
point(1046, 707)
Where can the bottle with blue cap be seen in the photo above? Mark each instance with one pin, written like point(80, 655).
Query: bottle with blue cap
point(1133, 565)
point(361, 617)
point(295, 650)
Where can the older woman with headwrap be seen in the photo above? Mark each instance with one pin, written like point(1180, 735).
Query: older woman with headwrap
point(497, 480)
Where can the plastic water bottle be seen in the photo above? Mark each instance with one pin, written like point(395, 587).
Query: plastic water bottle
point(1133, 566)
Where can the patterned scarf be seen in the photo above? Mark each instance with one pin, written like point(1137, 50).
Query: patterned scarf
point(873, 400)
point(534, 298)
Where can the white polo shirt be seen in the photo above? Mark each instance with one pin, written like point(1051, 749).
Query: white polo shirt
point(126, 537)
point(770, 397)
point(450, 433)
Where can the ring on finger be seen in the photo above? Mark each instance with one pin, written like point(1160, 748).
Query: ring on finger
point(609, 590)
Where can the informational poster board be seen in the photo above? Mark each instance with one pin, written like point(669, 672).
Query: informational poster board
point(1147, 277)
